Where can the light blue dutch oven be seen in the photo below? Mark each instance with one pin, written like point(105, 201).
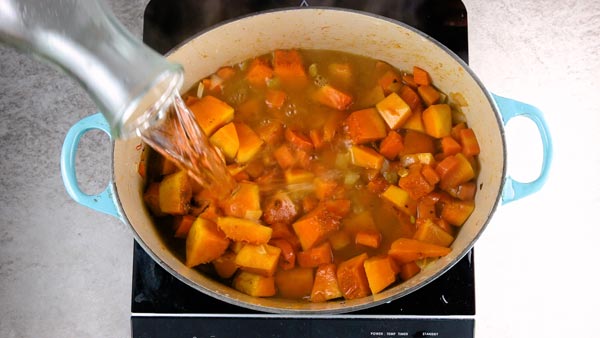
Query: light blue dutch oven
point(317, 28)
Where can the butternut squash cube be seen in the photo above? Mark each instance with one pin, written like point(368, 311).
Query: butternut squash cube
point(295, 283)
point(204, 243)
point(429, 232)
point(243, 230)
point(250, 143)
point(398, 196)
point(325, 286)
point(226, 139)
point(437, 120)
point(225, 265)
point(365, 125)
point(244, 203)
point(315, 226)
point(381, 272)
point(254, 285)
point(260, 259)
point(211, 113)
point(175, 193)
point(295, 176)
point(366, 157)
point(456, 212)
point(352, 278)
point(393, 110)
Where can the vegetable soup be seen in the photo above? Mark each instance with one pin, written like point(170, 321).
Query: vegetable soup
point(352, 176)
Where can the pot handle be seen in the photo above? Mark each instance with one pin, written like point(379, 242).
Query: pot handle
point(509, 108)
point(103, 202)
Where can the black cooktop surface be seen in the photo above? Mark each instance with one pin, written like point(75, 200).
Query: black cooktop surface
point(164, 306)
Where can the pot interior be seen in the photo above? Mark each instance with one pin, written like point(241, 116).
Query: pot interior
point(341, 30)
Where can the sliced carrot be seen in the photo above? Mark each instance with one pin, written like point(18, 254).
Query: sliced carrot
point(325, 286)
point(275, 98)
point(368, 238)
point(449, 146)
point(405, 250)
point(391, 145)
point(410, 97)
point(421, 76)
point(429, 95)
point(317, 138)
point(381, 272)
point(332, 97)
point(352, 278)
point(470, 146)
point(313, 257)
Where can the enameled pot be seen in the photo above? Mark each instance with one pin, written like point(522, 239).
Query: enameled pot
point(319, 28)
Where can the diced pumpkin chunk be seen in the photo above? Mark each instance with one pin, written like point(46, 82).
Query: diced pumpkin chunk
point(325, 286)
point(365, 126)
point(352, 278)
point(362, 221)
point(280, 208)
point(340, 240)
point(437, 120)
point(332, 98)
point(244, 203)
point(454, 170)
point(204, 243)
point(296, 176)
point(175, 193)
point(366, 157)
point(470, 146)
point(408, 270)
point(211, 113)
point(415, 121)
point(393, 110)
point(250, 143)
point(260, 259)
point(421, 76)
point(287, 258)
point(152, 199)
point(314, 227)
point(295, 283)
point(429, 232)
point(381, 272)
point(456, 212)
point(254, 285)
point(315, 256)
point(259, 72)
point(405, 250)
point(417, 142)
point(225, 265)
point(391, 145)
point(289, 67)
point(182, 225)
point(243, 230)
point(226, 139)
point(398, 196)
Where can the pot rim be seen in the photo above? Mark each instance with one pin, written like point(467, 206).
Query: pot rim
point(369, 301)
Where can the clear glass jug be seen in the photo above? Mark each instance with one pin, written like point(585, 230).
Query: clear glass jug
point(126, 79)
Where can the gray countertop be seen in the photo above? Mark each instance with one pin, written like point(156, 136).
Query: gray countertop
point(65, 270)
